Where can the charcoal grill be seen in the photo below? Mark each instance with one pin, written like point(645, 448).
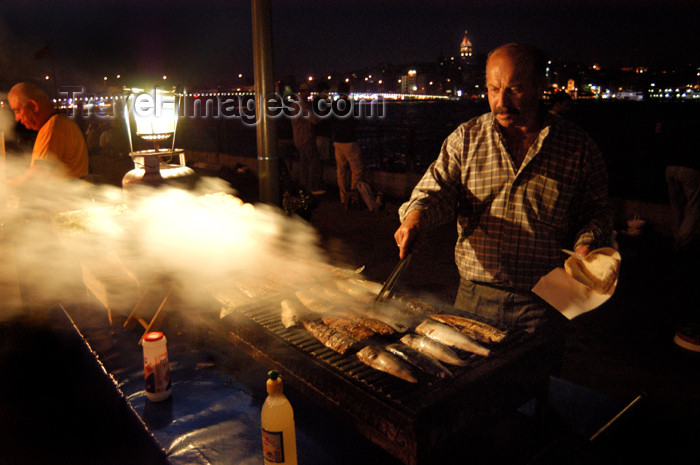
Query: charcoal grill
point(410, 421)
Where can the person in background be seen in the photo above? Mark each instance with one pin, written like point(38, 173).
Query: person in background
point(60, 148)
point(683, 182)
point(107, 139)
point(678, 143)
point(304, 122)
point(560, 103)
point(348, 153)
point(283, 126)
point(92, 138)
point(523, 185)
point(59, 154)
point(324, 129)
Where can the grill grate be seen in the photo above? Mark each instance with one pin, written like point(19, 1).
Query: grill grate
point(412, 421)
point(350, 366)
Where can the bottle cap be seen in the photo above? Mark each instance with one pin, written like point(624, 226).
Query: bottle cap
point(274, 382)
point(153, 336)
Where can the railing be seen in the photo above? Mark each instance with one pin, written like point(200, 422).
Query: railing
point(400, 147)
point(391, 147)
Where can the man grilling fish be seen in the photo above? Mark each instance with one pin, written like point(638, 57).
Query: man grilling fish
point(523, 184)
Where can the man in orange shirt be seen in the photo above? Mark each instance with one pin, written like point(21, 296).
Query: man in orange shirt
point(60, 148)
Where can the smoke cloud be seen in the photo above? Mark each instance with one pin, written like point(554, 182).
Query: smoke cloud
point(207, 243)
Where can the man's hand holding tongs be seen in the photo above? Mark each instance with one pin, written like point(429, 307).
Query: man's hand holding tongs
point(409, 233)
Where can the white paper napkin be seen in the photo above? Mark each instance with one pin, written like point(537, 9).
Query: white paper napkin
point(567, 295)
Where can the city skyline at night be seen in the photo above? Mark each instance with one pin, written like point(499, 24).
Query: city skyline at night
point(80, 42)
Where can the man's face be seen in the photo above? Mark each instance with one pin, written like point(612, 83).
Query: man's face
point(513, 92)
point(25, 112)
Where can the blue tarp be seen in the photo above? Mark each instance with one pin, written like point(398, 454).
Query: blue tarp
point(213, 415)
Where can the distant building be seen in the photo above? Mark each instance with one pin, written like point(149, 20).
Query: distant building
point(412, 83)
point(470, 68)
point(465, 49)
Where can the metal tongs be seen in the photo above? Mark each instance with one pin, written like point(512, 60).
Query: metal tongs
point(390, 285)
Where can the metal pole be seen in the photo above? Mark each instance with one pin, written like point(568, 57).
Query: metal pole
point(268, 163)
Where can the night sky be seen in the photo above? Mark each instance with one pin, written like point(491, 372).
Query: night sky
point(208, 43)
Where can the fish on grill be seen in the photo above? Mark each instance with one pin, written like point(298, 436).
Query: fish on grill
point(372, 323)
point(231, 300)
point(370, 286)
point(355, 328)
point(449, 336)
point(359, 293)
point(387, 314)
point(475, 329)
point(337, 340)
point(415, 306)
point(381, 360)
point(334, 294)
point(433, 348)
point(293, 312)
point(312, 301)
point(419, 360)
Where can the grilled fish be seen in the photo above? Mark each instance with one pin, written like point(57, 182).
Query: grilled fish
point(312, 301)
point(357, 329)
point(477, 330)
point(450, 336)
point(381, 360)
point(293, 312)
point(418, 359)
point(387, 314)
point(415, 306)
point(371, 286)
point(337, 340)
point(344, 273)
point(373, 324)
point(334, 294)
point(433, 348)
point(360, 293)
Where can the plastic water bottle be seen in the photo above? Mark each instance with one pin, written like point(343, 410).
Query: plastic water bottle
point(277, 420)
point(155, 366)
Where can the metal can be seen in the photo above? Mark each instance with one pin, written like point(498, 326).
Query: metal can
point(155, 366)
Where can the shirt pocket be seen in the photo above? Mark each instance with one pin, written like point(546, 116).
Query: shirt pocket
point(546, 200)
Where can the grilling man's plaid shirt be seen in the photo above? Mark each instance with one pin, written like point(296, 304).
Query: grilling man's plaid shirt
point(512, 223)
